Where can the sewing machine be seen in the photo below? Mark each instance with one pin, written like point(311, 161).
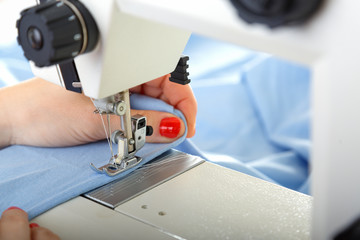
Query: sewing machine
point(205, 201)
point(62, 39)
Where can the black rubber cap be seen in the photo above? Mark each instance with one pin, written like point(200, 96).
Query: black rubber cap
point(274, 13)
point(149, 130)
point(180, 74)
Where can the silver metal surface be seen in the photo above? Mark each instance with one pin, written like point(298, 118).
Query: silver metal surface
point(76, 84)
point(125, 159)
point(127, 119)
point(120, 108)
point(162, 169)
point(129, 140)
point(139, 131)
point(114, 168)
point(82, 23)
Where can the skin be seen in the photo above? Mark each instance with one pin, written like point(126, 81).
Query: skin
point(40, 113)
point(14, 224)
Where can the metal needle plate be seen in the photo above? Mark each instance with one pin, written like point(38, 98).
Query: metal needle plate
point(161, 169)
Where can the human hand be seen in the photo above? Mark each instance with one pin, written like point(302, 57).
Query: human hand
point(14, 224)
point(39, 113)
point(179, 96)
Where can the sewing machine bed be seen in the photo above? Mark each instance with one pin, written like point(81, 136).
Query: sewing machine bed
point(205, 202)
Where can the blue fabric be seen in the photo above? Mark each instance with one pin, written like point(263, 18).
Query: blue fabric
point(253, 116)
point(253, 112)
point(13, 65)
point(37, 179)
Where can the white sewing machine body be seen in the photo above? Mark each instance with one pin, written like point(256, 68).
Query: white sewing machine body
point(328, 44)
point(130, 51)
point(201, 201)
point(97, 49)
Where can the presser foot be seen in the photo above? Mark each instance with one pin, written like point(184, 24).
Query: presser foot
point(113, 168)
point(129, 140)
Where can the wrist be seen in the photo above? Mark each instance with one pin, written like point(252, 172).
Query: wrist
point(5, 119)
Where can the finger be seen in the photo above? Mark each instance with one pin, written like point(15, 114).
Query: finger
point(14, 224)
point(166, 126)
point(179, 96)
point(41, 233)
point(182, 98)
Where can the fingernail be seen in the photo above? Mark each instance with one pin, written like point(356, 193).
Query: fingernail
point(170, 127)
point(12, 208)
point(33, 225)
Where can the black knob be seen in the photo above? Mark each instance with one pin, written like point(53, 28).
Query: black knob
point(35, 38)
point(56, 31)
point(274, 13)
point(149, 130)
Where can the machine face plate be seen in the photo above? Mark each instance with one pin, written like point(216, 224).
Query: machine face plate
point(161, 169)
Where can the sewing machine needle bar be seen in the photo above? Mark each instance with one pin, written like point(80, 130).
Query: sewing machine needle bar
point(127, 120)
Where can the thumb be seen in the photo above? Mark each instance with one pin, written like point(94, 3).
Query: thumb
point(166, 126)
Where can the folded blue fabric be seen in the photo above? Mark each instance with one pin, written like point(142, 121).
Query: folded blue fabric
point(37, 179)
point(253, 112)
point(279, 92)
